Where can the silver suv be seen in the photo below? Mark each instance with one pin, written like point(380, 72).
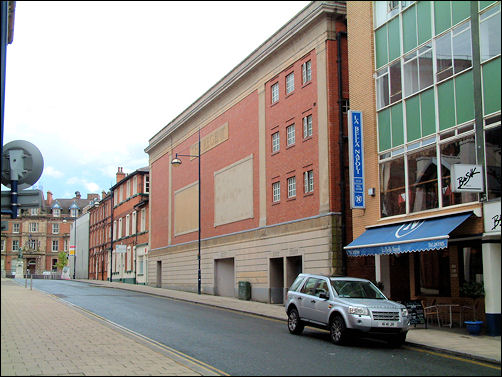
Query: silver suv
point(344, 305)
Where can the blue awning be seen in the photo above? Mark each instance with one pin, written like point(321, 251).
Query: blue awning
point(419, 235)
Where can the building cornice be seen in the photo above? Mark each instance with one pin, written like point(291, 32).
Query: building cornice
point(304, 18)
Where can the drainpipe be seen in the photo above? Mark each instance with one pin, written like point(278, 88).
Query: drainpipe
point(341, 142)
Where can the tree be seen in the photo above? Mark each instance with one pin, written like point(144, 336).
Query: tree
point(62, 260)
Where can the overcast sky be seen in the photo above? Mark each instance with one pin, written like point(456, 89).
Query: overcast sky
point(89, 83)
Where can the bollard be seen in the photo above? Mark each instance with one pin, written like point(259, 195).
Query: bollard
point(26, 280)
point(31, 281)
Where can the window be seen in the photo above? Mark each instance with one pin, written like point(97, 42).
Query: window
point(15, 227)
point(275, 142)
point(32, 244)
point(417, 70)
point(140, 265)
point(74, 212)
point(143, 220)
point(134, 220)
point(55, 245)
point(275, 92)
point(34, 211)
point(33, 227)
point(393, 191)
point(290, 83)
point(15, 245)
point(459, 151)
point(306, 72)
point(309, 286)
point(121, 193)
point(276, 191)
point(490, 33)
point(3, 245)
point(147, 183)
point(115, 230)
point(290, 131)
point(55, 228)
point(65, 245)
point(120, 228)
point(307, 126)
point(308, 181)
point(492, 156)
point(453, 51)
point(127, 225)
point(135, 185)
point(388, 85)
point(56, 212)
point(422, 180)
point(291, 187)
point(128, 189)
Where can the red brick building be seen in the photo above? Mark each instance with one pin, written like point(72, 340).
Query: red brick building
point(118, 227)
point(271, 178)
point(39, 233)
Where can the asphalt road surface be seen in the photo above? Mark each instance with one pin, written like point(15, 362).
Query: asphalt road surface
point(241, 344)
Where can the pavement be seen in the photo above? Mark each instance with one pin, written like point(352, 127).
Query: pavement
point(44, 335)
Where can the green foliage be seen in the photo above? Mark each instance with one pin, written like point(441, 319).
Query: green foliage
point(472, 289)
point(62, 260)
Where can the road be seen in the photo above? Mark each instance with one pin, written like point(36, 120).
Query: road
point(240, 344)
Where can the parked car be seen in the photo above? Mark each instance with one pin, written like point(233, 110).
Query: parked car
point(345, 306)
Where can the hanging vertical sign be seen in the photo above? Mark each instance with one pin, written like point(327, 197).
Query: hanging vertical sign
point(356, 159)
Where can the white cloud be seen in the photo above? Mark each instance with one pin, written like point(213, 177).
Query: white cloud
point(52, 172)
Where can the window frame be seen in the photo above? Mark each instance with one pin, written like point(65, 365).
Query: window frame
point(276, 142)
point(274, 88)
point(276, 192)
point(291, 184)
point(307, 72)
point(290, 135)
point(308, 181)
point(307, 126)
point(290, 83)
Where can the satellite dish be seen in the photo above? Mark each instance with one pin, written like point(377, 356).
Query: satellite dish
point(21, 161)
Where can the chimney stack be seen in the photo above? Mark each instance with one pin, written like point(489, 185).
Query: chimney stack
point(120, 174)
point(103, 194)
point(49, 198)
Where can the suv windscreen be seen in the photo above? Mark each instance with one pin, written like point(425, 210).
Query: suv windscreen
point(356, 289)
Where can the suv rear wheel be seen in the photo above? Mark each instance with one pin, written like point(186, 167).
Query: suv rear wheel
point(295, 325)
point(337, 330)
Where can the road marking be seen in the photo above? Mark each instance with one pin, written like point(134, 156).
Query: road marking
point(487, 365)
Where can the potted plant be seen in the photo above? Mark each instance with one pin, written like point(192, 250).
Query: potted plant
point(474, 290)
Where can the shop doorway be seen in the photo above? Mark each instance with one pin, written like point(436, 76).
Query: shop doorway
point(277, 280)
point(224, 277)
point(159, 274)
point(294, 267)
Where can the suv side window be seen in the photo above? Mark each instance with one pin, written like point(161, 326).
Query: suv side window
point(309, 286)
point(322, 288)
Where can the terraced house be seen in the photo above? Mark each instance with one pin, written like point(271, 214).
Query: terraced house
point(248, 183)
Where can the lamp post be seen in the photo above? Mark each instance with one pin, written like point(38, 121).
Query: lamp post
point(176, 162)
point(75, 248)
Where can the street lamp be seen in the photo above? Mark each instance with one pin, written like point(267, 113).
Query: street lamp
point(176, 162)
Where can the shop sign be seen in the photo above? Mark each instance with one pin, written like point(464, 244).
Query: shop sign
point(491, 215)
point(356, 165)
point(467, 178)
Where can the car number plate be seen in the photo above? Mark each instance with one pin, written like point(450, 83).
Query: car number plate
point(386, 324)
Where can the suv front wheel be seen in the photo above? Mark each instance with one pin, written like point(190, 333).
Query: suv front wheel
point(337, 330)
point(295, 325)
